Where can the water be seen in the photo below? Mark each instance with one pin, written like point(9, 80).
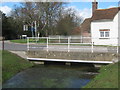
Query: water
point(52, 76)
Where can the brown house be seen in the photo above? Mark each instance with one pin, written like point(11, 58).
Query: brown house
point(85, 27)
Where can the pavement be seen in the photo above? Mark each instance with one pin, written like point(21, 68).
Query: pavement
point(18, 49)
point(14, 46)
point(20, 53)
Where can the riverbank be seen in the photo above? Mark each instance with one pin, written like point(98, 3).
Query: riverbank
point(12, 64)
point(108, 77)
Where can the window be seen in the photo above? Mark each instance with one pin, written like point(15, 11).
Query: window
point(104, 33)
point(101, 34)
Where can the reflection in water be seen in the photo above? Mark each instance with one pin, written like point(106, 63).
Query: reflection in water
point(52, 76)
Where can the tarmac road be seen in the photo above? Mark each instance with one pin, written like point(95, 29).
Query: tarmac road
point(23, 47)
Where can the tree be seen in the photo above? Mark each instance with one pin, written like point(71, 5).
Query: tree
point(8, 29)
point(50, 15)
point(16, 14)
point(51, 18)
point(67, 23)
point(45, 14)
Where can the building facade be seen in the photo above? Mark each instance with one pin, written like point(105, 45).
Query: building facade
point(105, 28)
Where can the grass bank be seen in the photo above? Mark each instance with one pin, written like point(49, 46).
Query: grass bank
point(19, 41)
point(30, 40)
point(12, 64)
point(108, 77)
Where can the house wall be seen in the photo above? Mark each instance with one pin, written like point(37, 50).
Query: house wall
point(119, 27)
point(105, 24)
point(115, 28)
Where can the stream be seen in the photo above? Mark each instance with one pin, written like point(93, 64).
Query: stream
point(53, 75)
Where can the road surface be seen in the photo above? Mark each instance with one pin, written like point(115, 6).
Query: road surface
point(23, 47)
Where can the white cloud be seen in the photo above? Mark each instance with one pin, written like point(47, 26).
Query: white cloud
point(112, 6)
point(84, 13)
point(6, 10)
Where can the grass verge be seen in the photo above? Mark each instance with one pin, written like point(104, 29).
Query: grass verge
point(30, 40)
point(108, 77)
point(12, 64)
point(19, 41)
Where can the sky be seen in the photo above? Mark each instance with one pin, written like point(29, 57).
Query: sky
point(83, 9)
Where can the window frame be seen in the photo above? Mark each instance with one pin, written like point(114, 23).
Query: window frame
point(104, 33)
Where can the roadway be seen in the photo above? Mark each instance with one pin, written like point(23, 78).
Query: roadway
point(23, 47)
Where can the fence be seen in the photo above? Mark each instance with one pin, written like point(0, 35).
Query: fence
point(80, 39)
point(79, 44)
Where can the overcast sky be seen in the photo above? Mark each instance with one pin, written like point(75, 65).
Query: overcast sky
point(83, 9)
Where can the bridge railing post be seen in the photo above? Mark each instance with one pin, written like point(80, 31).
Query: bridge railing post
point(47, 43)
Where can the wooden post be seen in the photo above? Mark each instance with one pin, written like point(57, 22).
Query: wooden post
point(3, 43)
point(92, 47)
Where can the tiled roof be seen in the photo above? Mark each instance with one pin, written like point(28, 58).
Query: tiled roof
point(85, 26)
point(99, 14)
point(109, 13)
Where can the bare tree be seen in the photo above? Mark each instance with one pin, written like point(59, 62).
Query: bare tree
point(44, 15)
point(49, 12)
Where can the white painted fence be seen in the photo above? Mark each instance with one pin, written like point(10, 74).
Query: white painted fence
point(66, 44)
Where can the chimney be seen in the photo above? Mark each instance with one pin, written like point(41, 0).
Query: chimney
point(94, 6)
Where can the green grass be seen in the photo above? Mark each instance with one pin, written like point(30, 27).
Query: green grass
point(108, 77)
point(105, 46)
point(30, 40)
point(19, 41)
point(12, 64)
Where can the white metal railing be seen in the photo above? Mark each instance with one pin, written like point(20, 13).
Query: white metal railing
point(50, 41)
point(62, 43)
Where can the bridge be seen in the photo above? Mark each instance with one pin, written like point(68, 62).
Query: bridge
point(65, 50)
